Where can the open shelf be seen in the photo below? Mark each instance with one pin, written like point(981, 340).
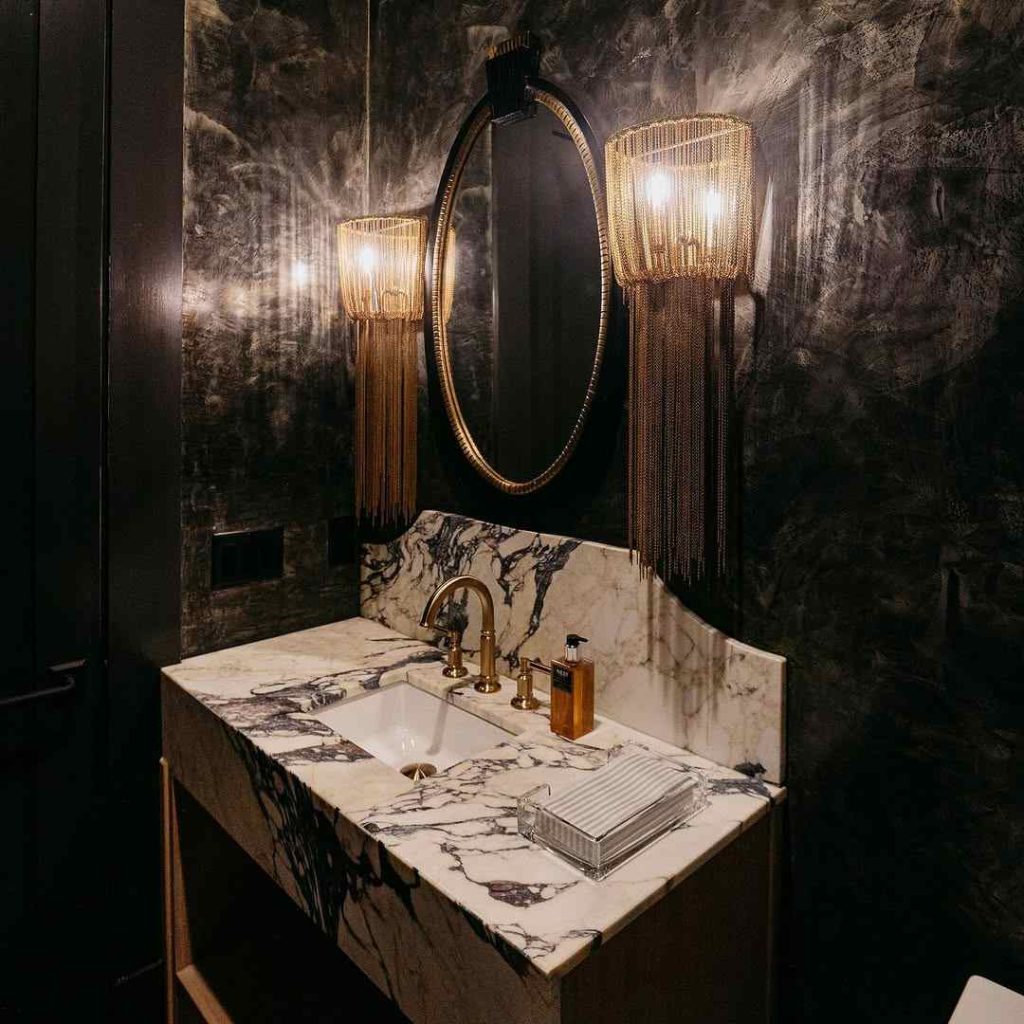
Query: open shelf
point(241, 951)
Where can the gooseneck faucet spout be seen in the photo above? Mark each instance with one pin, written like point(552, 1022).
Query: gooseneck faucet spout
point(488, 681)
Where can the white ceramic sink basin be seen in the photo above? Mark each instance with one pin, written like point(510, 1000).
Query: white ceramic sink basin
point(402, 726)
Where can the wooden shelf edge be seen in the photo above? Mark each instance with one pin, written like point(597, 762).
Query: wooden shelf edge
point(204, 999)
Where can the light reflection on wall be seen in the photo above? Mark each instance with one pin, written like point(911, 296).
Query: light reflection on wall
point(274, 159)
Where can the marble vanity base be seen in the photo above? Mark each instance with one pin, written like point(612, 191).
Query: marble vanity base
point(417, 947)
point(700, 955)
point(427, 888)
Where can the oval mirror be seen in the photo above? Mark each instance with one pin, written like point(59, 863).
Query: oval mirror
point(520, 289)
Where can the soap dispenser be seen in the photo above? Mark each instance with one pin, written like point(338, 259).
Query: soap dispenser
point(572, 691)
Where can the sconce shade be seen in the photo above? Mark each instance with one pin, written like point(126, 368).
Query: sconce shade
point(381, 264)
point(679, 215)
point(679, 199)
point(380, 260)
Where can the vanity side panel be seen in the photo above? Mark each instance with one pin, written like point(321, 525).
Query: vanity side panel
point(699, 956)
point(419, 948)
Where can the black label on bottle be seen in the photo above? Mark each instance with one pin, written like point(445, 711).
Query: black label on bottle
point(561, 678)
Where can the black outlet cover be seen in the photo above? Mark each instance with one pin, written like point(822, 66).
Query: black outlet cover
point(342, 546)
point(246, 556)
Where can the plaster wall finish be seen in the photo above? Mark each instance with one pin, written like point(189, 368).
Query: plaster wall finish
point(881, 389)
point(274, 126)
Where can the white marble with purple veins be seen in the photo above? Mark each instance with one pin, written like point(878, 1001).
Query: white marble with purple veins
point(457, 830)
point(659, 667)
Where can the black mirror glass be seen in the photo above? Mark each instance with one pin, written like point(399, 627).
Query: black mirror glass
point(525, 327)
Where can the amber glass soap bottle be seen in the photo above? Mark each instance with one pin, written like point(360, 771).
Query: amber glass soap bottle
point(572, 691)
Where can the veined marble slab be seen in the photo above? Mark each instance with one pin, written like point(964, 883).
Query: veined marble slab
point(450, 842)
point(659, 667)
point(267, 691)
point(459, 829)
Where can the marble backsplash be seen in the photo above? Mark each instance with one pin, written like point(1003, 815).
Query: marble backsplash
point(659, 668)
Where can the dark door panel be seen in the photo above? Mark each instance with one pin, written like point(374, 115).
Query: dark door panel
point(90, 124)
point(18, 54)
point(70, 324)
point(53, 723)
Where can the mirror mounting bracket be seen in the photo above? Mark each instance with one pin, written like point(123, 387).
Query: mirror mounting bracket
point(510, 66)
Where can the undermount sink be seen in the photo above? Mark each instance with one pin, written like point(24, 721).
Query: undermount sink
point(406, 727)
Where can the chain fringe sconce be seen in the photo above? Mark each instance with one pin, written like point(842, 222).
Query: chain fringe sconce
point(381, 266)
point(679, 204)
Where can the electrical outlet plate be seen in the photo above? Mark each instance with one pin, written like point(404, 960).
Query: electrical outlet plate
point(246, 556)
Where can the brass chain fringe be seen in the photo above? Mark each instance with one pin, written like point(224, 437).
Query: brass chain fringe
point(680, 217)
point(385, 421)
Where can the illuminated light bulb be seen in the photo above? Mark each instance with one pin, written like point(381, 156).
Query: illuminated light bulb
point(238, 297)
point(367, 259)
point(713, 204)
point(300, 272)
point(658, 188)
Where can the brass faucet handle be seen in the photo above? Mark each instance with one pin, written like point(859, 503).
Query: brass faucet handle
point(453, 667)
point(524, 700)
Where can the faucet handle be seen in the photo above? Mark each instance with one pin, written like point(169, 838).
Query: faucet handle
point(524, 700)
point(453, 667)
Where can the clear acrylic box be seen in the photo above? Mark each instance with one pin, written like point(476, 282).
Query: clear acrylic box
point(604, 820)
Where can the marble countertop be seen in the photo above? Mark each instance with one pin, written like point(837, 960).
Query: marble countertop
point(457, 830)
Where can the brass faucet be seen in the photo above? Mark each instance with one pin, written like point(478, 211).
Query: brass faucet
point(488, 681)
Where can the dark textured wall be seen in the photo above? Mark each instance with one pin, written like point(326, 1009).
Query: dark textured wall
point(882, 397)
point(274, 121)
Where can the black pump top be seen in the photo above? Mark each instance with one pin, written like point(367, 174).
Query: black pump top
point(572, 646)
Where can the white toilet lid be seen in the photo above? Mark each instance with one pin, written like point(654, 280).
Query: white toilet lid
point(985, 1002)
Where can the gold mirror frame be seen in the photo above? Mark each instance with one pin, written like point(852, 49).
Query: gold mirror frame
point(563, 108)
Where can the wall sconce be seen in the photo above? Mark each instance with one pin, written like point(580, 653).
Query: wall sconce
point(381, 265)
point(679, 205)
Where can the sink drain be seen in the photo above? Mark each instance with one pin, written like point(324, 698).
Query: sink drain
point(418, 770)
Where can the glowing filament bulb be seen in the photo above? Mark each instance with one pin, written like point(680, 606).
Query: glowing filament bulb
point(367, 259)
point(658, 188)
point(300, 272)
point(713, 204)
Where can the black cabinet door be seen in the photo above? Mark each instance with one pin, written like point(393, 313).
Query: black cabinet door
point(53, 394)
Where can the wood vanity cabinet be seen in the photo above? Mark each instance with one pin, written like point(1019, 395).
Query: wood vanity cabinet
point(701, 955)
